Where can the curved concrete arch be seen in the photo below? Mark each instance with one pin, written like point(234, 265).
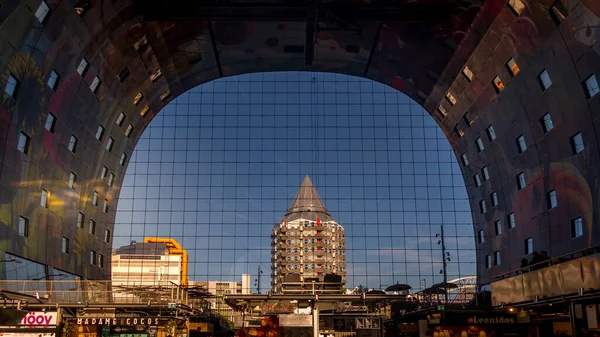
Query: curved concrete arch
point(143, 65)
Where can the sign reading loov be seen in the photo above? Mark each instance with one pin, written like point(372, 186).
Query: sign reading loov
point(39, 319)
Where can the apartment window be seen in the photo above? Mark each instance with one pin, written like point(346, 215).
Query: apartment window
point(145, 110)
point(464, 159)
point(109, 144)
point(551, 199)
point(521, 181)
point(100, 132)
point(105, 206)
point(53, 80)
point(44, 198)
point(559, 12)
point(510, 219)
point(104, 173)
point(123, 74)
point(488, 261)
point(491, 133)
point(486, 173)
point(123, 159)
point(496, 258)
point(528, 246)
point(165, 94)
point(521, 145)
point(480, 236)
point(12, 86)
point(482, 207)
point(80, 219)
point(121, 118)
point(516, 6)
point(544, 80)
point(138, 98)
point(95, 84)
point(107, 235)
point(497, 83)
point(467, 73)
point(95, 199)
point(72, 180)
point(23, 145)
point(546, 122)
point(512, 66)
point(494, 198)
point(450, 98)
point(100, 261)
point(73, 144)
point(576, 227)
point(23, 226)
point(42, 12)
point(442, 111)
point(129, 130)
point(82, 67)
point(50, 122)
point(65, 245)
point(477, 180)
point(479, 144)
point(469, 118)
point(111, 179)
point(591, 86)
point(577, 143)
point(498, 227)
point(92, 227)
point(93, 257)
point(458, 131)
point(156, 75)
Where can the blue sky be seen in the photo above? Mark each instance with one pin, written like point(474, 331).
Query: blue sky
point(220, 165)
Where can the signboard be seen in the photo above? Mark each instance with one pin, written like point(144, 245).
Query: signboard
point(278, 307)
point(483, 318)
point(140, 257)
point(120, 321)
point(38, 319)
point(349, 307)
point(295, 320)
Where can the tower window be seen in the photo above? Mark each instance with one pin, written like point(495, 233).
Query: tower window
point(23, 226)
point(511, 220)
point(65, 245)
point(53, 80)
point(528, 246)
point(521, 182)
point(496, 258)
point(480, 236)
point(544, 80)
point(479, 144)
point(591, 86)
point(551, 199)
point(82, 67)
point(50, 122)
point(99, 132)
point(491, 133)
point(521, 144)
point(512, 66)
point(497, 83)
point(12, 86)
point(72, 144)
point(546, 122)
point(42, 12)
point(23, 145)
point(576, 227)
point(516, 6)
point(498, 227)
point(121, 118)
point(95, 84)
point(467, 73)
point(577, 143)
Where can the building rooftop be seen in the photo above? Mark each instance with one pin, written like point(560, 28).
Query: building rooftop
point(141, 248)
point(307, 204)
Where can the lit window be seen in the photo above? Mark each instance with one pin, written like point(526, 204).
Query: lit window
point(477, 180)
point(23, 226)
point(496, 258)
point(577, 143)
point(544, 80)
point(528, 246)
point(23, 145)
point(100, 261)
point(12, 86)
point(104, 173)
point(491, 133)
point(145, 111)
point(464, 159)
point(482, 207)
point(82, 67)
point(442, 111)
point(479, 144)
point(551, 199)
point(521, 181)
point(65, 245)
point(559, 12)
point(513, 67)
point(516, 6)
point(467, 73)
point(511, 220)
point(50, 122)
point(105, 206)
point(80, 220)
point(488, 261)
point(44, 198)
point(92, 257)
point(53, 80)
point(109, 144)
point(129, 130)
point(165, 94)
point(121, 118)
point(123, 159)
point(469, 118)
point(498, 85)
point(521, 145)
point(95, 84)
point(498, 227)
point(95, 199)
point(111, 179)
point(92, 227)
point(73, 144)
point(156, 75)
point(591, 86)
point(72, 180)
point(480, 236)
point(107, 235)
point(458, 131)
point(42, 12)
point(546, 122)
point(100, 132)
point(494, 198)
point(138, 98)
point(486, 173)
point(450, 98)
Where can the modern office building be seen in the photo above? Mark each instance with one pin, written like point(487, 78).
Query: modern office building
point(221, 288)
point(308, 247)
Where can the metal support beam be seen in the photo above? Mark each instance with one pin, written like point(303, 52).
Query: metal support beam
point(373, 49)
point(211, 31)
point(311, 28)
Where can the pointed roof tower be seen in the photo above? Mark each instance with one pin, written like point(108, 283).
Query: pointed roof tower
point(307, 204)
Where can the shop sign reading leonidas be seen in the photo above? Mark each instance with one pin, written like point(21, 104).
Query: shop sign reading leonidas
point(121, 321)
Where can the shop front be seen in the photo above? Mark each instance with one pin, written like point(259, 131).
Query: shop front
point(479, 324)
point(125, 327)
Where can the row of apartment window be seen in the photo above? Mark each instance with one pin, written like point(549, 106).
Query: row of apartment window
point(494, 259)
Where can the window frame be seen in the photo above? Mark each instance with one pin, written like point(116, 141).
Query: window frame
point(121, 118)
point(528, 241)
point(498, 227)
point(96, 82)
point(109, 144)
point(44, 198)
point(80, 220)
point(576, 227)
point(65, 245)
point(480, 236)
point(477, 179)
point(491, 133)
point(479, 145)
point(72, 146)
point(56, 76)
point(498, 84)
point(547, 123)
point(72, 180)
point(24, 142)
point(92, 226)
point(514, 68)
point(82, 67)
point(541, 82)
point(497, 258)
point(468, 74)
point(512, 6)
point(575, 146)
point(511, 221)
point(41, 14)
point(551, 199)
point(15, 84)
point(521, 181)
point(494, 199)
point(23, 226)
point(50, 122)
point(485, 173)
point(482, 206)
point(591, 92)
point(521, 144)
point(488, 261)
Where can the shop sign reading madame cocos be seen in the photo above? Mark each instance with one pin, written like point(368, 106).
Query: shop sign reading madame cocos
point(122, 321)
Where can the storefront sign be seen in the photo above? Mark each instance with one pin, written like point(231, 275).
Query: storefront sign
point(348, 307)
point(39, 319)
point(482, 318)
point(278, 307)
point(121, 321)
point(492, 320)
